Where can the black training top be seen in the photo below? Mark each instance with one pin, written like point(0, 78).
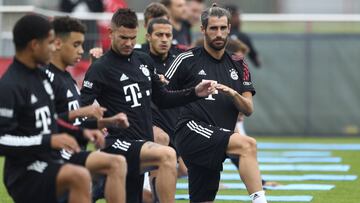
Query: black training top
point(161, 65)
point(128, 84)
point(67, 95)
point(164, 118)
point(27, 120)
point(191, 67)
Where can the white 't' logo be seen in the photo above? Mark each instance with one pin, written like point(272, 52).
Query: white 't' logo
point(210, 97)
point(73, 105)
point(43, 119)
point(135, 94)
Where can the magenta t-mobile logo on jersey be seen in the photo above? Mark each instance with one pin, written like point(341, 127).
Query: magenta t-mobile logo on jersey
point(43, 120)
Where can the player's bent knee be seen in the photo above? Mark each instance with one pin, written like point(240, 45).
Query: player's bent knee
point(168, 154)
point(249, 145)
point(241, 145)
point(72, 174)
point(81, 174)
point(162, 139)
point(118, 162)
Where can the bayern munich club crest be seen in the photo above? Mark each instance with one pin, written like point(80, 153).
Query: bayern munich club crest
point(234, 74)
point(145, 70)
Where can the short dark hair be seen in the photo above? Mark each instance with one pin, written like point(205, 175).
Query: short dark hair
point(125, 17)
point(166, 3)
point(64, 25)
point(150, 28)
point(30, 27)
point(155, 10)
point(216, 11)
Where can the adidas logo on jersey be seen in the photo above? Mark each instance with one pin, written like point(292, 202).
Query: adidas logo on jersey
point(33, 99)
point(69, 94)
point(202, 72)
point(124, 77)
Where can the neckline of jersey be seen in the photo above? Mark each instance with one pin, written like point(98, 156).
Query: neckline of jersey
point(119, 56)
point(23, 66)
point(212, 58)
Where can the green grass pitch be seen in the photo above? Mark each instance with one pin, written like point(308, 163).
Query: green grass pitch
point(344, 192)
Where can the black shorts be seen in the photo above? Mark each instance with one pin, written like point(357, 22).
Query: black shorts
point(77, 158)
point(38, 184)
point(131, 151)
point(203, 149)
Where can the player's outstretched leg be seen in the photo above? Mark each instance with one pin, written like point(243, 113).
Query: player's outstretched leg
point(245, 148)
point(164, 158)
point(77, 181)
point(114, 167)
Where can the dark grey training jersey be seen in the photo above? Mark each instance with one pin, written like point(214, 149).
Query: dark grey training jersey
point(67, 95)
point(164, 118)
point(196, 65)
point(128, 84)
point(27, 120)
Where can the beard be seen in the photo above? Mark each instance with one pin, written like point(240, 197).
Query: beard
point(212, 43)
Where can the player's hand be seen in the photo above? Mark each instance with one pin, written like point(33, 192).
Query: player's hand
point(64, 141)
point(92, 111)
point(205, 88)
point(226, 90)
point(119, 120)
point(95, 53)
point(96, 137)
point(163, 79)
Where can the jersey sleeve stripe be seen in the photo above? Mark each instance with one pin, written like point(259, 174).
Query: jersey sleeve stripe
point(177, 65)
point(174, 62)
point(170, 72)
point(17, 141)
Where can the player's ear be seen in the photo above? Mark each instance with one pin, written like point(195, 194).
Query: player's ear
point(110, 31)
point(58, 43)
point(34, 44)
point(202, 29)
point(147, 36)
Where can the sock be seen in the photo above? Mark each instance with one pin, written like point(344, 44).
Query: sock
point(240, 127)
point(258, 197)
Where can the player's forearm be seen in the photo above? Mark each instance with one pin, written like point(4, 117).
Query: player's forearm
point(75, 131)
point(243, 104)
point(72, 115)
point(165, 98)
point(170, 99)
point(103, 123)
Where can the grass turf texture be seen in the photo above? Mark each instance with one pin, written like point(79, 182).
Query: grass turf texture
point(344, 191)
